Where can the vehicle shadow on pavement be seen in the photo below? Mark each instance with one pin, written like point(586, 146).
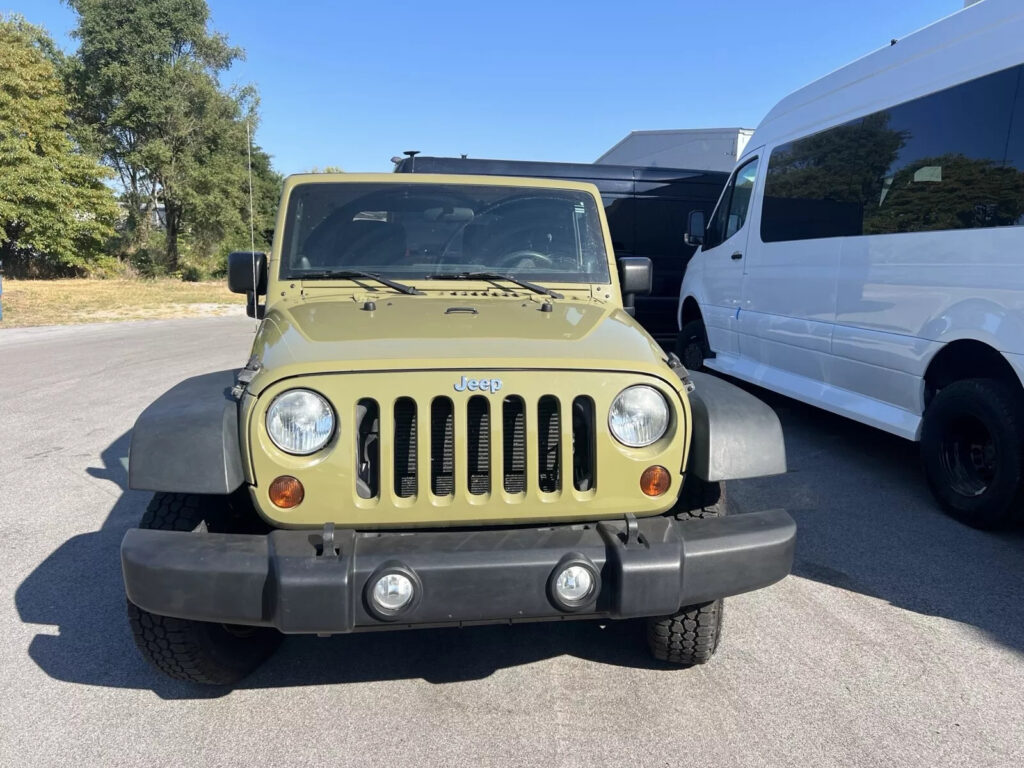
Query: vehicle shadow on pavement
point(867, 523)
point(78, 589)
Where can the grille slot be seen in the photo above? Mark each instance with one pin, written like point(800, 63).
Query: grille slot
point(478, 422)
point(405, 447)
point(367, 449)
point(513, 414)
point(471, 447)
point(584, 444)
point(442, 447)
point(548, 443)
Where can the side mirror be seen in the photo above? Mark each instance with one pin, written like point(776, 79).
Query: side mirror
point(247, 273)
point(636, 276)
point(695, 229)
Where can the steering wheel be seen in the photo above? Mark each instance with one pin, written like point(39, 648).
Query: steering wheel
point(513, 258)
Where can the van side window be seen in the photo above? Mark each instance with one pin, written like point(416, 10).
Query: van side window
point(739, 204)
point(939, 162)
point(731, 213)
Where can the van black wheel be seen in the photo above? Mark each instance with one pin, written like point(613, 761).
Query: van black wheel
point(972, 445)
point(692, 345)
point(691, 636)
point(198, 651)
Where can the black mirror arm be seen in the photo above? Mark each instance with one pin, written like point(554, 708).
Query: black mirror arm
point(252, 306)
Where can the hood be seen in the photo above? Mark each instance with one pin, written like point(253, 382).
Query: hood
point(402, 333)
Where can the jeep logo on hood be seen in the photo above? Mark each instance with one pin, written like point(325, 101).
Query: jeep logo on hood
point(478, 385)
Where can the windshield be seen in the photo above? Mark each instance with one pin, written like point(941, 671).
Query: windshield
point(433, 230)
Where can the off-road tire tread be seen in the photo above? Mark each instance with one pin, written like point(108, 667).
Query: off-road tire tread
point(689, 637)
point(183, 649)
point(700, 499)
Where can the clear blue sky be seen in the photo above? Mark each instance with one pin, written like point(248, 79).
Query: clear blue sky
point(353, 83)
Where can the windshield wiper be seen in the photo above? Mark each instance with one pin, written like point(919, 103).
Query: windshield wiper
point(349, 274)
point(496, 276)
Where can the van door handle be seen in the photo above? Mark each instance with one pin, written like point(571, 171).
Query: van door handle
point(737, 256)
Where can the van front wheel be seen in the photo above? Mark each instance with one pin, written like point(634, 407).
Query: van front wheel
point(692, 345)
point(972, 445)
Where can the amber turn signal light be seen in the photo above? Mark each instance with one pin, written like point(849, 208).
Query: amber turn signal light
point(287, 492)
point(655, 480)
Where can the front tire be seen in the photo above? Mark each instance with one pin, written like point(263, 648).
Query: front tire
point(197, 651)
point(972, 446)
point(691, 635)
point(692, 346)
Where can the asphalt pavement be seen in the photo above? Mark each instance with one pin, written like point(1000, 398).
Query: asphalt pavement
point(898, 641)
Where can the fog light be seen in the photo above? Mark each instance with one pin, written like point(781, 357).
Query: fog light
point(655, 480)
point(574, 584)
point(286, 492)
point(392, 592)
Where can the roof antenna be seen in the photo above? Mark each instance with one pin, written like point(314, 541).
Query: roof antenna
point(411, 154)
point(252, 226)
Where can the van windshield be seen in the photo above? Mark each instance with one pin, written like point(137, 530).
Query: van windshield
point(409, 231)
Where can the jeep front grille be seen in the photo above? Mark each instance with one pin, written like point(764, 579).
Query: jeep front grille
point(525, 430)
point(421, 448)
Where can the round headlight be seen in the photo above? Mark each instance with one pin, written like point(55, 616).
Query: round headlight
point(300, 422)
point(638, 416)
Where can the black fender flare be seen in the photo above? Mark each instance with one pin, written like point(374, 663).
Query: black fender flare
point(187, 440)
point(735, 435)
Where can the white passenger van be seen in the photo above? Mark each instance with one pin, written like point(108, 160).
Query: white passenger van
point(867, 254)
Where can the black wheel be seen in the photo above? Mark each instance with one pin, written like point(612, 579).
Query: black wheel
point(972, 445)
point(691, 636)
point(199, 651)
point(692, 345)
point(699, 499)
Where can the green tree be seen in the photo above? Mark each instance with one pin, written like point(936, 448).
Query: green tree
point(146, 79)
point(55, 211)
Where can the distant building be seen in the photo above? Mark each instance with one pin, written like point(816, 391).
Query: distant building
point(705, 149)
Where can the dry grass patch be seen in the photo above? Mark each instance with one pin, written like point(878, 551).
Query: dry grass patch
point(63, 302)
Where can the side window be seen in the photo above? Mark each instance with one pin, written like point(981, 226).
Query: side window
point(731, 212)
point(948, 171)
point(815, 186)
point(939, 162)
point(742, 189)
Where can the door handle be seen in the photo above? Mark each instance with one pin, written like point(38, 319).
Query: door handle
point(737, 256)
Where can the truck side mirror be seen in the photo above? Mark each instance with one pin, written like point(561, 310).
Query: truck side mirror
point(247, 273)
point(636, 276)
point(695, 229)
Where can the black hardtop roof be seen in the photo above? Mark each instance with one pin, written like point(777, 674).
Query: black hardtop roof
point(580, 171)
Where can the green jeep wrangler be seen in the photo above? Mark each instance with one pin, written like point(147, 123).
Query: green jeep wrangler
point(449, 418)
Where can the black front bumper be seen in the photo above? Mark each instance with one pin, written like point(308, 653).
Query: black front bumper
point(290, 580)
